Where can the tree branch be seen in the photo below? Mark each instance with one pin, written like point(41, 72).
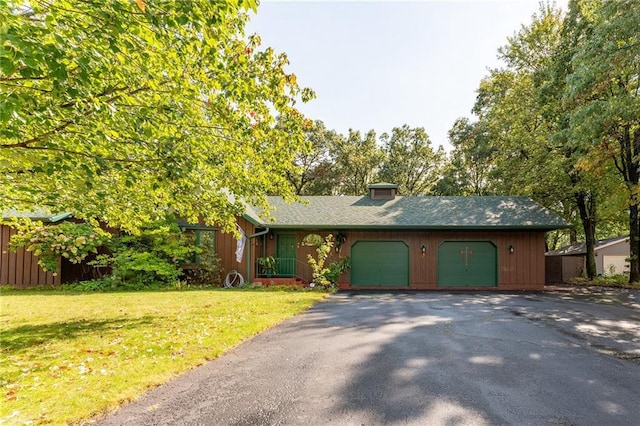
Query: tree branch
point(2, 83)
point(88, 155)
point(87, 112)
point(42, 77)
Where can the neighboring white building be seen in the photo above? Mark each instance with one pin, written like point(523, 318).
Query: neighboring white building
point(612, 258)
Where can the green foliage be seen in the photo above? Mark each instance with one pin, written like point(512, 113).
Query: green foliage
point(312, 240)
point(620, 281)
point(470, 163)
point(269, 265)
point(327, 275)
point(206, 266)
point(410, 161)
point(602, 89)
point(318, 269)
point(563, 118)
point(357, 161)
point(73, 241)
point(147, 260)
point(100, 284)
point(314, 173)
point(337, 165)
point(122, 110)
point(208, 273)
point(337, 268)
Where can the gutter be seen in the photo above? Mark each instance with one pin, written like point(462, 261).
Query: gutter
point(257, 234)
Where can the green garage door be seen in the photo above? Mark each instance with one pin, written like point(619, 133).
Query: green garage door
point(380, 263)
point(467, 264)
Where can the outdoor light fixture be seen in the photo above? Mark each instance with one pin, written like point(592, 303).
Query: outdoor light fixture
point(423, 250)
point(341, 238)
point(511, 248)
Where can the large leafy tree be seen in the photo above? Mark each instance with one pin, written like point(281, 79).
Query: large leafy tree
point(410, 161)
point(123, 111)
point(467, 171)
point(314, 173)
point(510, 116)
point(603, 87)
point(525, 118)
point(357, 162)
point(567, 147)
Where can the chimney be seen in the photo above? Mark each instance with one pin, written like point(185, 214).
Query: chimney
point(383, 191)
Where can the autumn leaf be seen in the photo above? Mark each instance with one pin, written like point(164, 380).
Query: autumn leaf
point(141, 5)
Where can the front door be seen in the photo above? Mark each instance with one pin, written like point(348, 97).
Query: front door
point(286, 255)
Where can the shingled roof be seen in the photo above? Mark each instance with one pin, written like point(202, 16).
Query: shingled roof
point(37, 215)
point(361, 212)
point(581, 248)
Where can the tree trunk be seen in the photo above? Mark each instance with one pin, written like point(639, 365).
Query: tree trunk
point(634, 242)
point(587, 208)
point(573, 235)
point(633, 177)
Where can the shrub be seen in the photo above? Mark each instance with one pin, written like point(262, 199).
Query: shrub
point(326, 276)
point(338, 268)
point(74, 241)
point(148, 260)
point(207, 272)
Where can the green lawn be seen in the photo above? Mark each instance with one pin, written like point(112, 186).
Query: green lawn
point(68, 356)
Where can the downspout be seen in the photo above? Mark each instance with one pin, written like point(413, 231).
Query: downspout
point(257, 234)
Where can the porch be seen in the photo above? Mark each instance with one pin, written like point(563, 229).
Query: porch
point(283, 267)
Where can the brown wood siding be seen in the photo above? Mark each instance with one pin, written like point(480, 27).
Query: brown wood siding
point(524, 269)
point(21, 269)
point(573, 266)
point(553, 269)
point(226, 249)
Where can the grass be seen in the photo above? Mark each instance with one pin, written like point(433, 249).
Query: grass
point(66, 356)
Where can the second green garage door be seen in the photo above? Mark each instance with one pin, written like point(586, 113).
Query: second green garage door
point(467, 264)
point(380, 263)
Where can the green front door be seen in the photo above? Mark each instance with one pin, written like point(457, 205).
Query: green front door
point(380, 263)
point(467, 264)
point(286, 255)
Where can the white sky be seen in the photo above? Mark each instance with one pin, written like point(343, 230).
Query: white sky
point(378, 65)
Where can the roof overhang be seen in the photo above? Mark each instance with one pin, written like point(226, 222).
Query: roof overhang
point(412, 228)
point(37, 216)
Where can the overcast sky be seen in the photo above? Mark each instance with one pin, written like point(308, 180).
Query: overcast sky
point(378, 65)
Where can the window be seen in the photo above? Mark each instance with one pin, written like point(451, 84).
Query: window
point(205, 240)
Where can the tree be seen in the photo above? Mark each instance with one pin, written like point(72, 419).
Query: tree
point(527, 120)
point(603, 86)
point(471, 161)
point(314, 173)
point(357, 161)
point(410, 160)
point(511, 117)
point(569, 149)
point(531, 158)
point(125, 111)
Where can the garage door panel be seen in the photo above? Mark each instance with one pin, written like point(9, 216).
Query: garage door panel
point(380, 263)
point(467, 264)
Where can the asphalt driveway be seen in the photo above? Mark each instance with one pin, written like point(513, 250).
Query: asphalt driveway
point(561, 358)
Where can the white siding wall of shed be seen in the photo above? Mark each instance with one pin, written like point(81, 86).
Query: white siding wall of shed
point(615, 265)
point(615, 255)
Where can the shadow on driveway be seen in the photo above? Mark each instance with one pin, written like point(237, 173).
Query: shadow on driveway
point(421, 358)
